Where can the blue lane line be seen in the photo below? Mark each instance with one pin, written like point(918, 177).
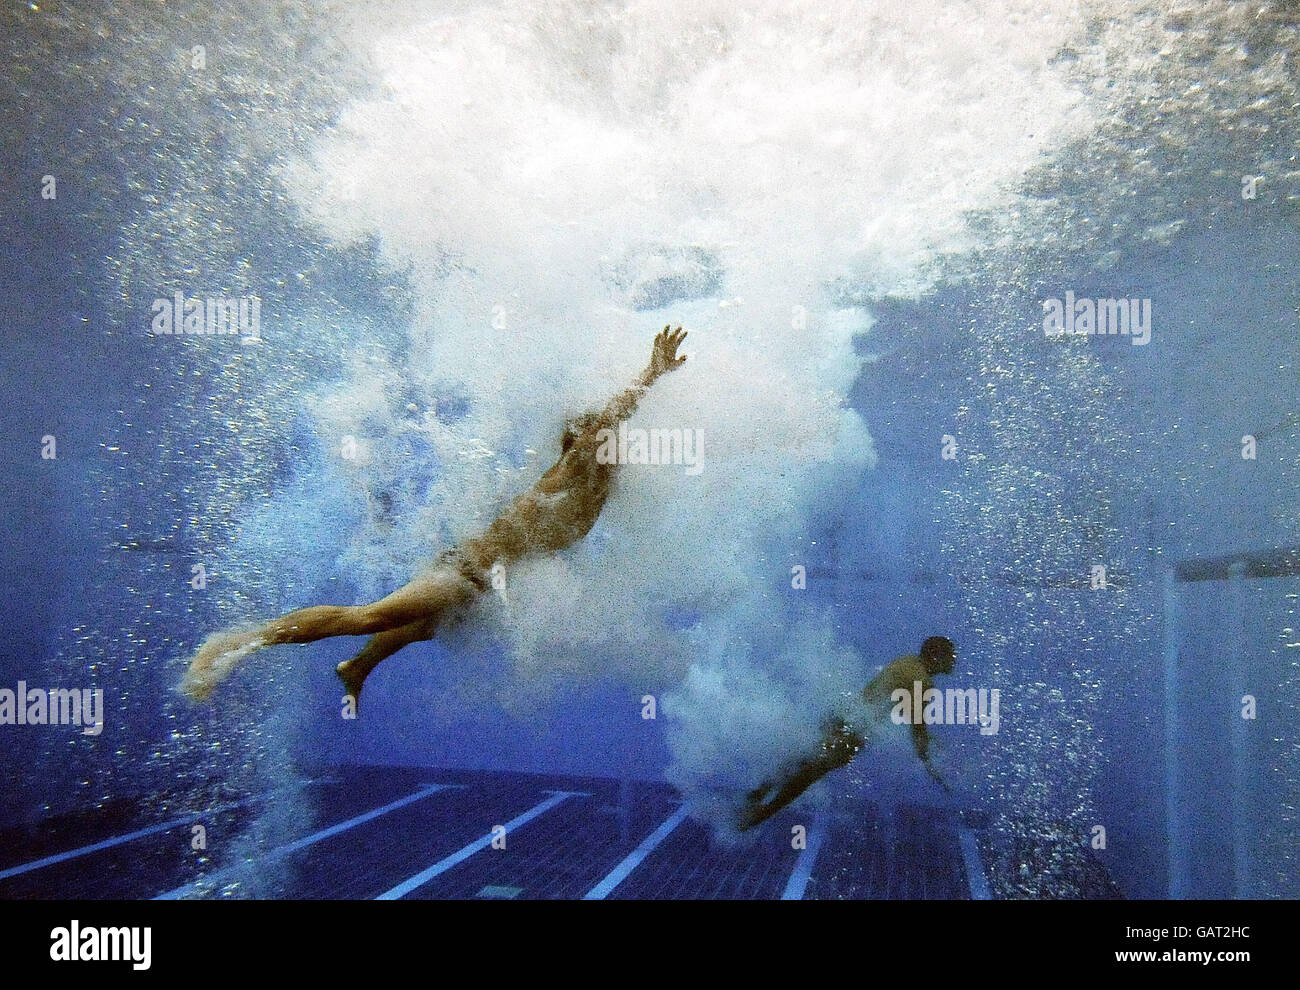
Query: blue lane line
point(633, 859)
point(803, 867)
point(63, 857)
point(970, 854)
point(443, 865)
point(307, 840)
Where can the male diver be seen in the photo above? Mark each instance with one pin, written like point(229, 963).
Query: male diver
point(840, 743)
point(558, 511)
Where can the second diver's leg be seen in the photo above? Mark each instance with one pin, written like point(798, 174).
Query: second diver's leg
point(838, 749)
point(787, 788)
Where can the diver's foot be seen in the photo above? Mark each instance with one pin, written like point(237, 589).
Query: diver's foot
point(353, 676)
point(216, 660)
point(750, 815)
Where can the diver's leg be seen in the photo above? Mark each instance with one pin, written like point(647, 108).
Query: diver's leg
point(837, 750)
point(788, 788)
point(428, 596)
point(354, 672)
point(422, 598)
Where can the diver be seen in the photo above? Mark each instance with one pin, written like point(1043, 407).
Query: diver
point(558, 511)
point(840, 743)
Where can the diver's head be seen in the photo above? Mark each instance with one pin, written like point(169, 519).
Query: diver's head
point(575, 427)
point(938, 655)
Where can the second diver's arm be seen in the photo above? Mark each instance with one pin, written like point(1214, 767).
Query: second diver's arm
point(921, 743)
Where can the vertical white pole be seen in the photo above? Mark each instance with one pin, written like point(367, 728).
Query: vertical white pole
point(1176, 849)
point(1240, 754)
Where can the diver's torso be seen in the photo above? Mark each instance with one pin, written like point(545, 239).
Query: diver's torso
point(902, 672)
point(559, 510)
point(877, 701)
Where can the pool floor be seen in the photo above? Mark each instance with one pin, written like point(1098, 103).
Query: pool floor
point(403, 833)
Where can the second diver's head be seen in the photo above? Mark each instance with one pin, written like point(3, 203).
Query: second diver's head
point(938, 655)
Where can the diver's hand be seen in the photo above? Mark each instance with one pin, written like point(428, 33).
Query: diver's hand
point(934, 775)
point(663, 358)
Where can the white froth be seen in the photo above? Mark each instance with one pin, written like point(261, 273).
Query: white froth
point(539, 174)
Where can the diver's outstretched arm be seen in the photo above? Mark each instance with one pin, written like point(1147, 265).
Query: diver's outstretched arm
point(921, 743)
point(663, 359)
point(934, 775)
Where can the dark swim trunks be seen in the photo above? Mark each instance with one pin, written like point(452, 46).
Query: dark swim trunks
point(454, 558)
point(839, 745)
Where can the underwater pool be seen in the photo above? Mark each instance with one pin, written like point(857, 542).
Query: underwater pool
point(991, 335)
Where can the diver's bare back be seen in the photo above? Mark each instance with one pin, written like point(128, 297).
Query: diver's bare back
point(558, 510)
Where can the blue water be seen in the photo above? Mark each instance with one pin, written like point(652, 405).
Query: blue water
point(1121, 706)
